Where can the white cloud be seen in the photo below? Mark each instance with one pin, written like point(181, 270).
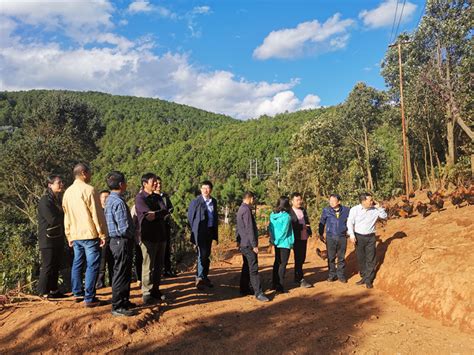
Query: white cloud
point(130, 68)
point(383, 15)
point(201, 10)
point(74, 17)
point(144, 6)
point(140, 6)
point(306, 38)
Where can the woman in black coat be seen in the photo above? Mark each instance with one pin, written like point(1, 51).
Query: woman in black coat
point(51, 237)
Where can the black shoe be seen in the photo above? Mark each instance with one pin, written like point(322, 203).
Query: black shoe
point(344, 281)
point(305, 284)
point(280, 289)
point(95, 302)
point(148, 300)
point(122, 312)
point(262, 298)
point(246, 292)
point(56, 295)
point(332, 279)
point(360, 282)
point(158, 295)
point(129, 305)
point(369, 285)
point(207, 283)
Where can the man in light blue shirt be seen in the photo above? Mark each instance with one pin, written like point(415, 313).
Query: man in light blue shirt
point(361, 230)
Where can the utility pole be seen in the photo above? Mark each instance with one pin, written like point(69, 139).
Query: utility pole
point(250, 170)
point(256, 168)
point(402, 109)
point(278, 170)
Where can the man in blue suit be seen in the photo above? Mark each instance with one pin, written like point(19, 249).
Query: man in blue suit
point(203, 220)
point(334, 220)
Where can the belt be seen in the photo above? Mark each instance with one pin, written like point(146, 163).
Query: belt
point(364, 235)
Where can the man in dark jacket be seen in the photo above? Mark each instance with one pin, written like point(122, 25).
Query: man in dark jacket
point(301, 231)
point(151, 231)
point(334, 219)
point(203, 220)
point(247, 239)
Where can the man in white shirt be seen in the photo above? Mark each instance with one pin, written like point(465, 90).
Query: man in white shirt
point(361, 230)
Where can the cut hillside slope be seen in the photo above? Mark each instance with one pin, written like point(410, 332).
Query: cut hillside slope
point(426, 264)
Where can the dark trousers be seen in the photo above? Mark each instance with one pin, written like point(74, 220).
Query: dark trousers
point(49, 271)
point(299, 250)
point(203, 258)
point(279, 266)
point(106, 262)
point(122, 251)
point(168, 265)
point(365, 249)
point(138, 262)
point(249, 274)
point(336, 246)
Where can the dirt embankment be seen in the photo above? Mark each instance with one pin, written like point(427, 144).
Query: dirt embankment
point(426, 264)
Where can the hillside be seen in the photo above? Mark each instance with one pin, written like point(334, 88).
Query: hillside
point(329, 317)
point(176, 141)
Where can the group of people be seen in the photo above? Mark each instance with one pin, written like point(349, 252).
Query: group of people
point(105, 233)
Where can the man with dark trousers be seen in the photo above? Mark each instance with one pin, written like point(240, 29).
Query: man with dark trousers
point(301, 231)
point(334, 220)
point(361, 229)
point(106, 258)
point(168, 267)
point(121, 233)
point(203, 220)
point(247, 240)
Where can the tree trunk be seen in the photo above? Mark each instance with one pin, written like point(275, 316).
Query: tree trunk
point(370, 182)
point(409, 169)
point(425, 160)
point(450, 158)
point(418, 178)
point(433, 177)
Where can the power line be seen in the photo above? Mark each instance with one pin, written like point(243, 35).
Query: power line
point(421, 16)
point(394, 20)
point(400, 19)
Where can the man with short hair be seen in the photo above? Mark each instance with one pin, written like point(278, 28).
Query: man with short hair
point(301, 231)
point(361, 229)
point(203, 220)
point(334, 220)
point(247, 240)
point(168, 268)
point(151, 211)
point(86, 230)
point(106, 258)
point(121, 235)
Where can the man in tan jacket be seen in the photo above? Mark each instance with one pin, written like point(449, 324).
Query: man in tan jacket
point(85, 229)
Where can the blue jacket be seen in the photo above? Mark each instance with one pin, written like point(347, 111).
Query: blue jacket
point(198, 220)
point(335, 227)
point(281, 230)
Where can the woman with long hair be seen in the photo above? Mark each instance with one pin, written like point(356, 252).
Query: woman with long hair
point(281, 236)
point(51, 237)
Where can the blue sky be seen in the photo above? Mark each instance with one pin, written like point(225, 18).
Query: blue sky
point(242, 58)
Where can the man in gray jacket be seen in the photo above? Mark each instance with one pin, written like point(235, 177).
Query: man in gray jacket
point(247, 240)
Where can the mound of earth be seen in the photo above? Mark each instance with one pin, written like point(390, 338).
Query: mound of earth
point(425, 264)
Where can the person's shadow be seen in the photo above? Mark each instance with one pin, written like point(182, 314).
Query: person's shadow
point(381, 249)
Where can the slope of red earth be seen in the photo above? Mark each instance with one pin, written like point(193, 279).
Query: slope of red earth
point(421, 303)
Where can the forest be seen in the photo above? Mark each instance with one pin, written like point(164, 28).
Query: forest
point(346, 149)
